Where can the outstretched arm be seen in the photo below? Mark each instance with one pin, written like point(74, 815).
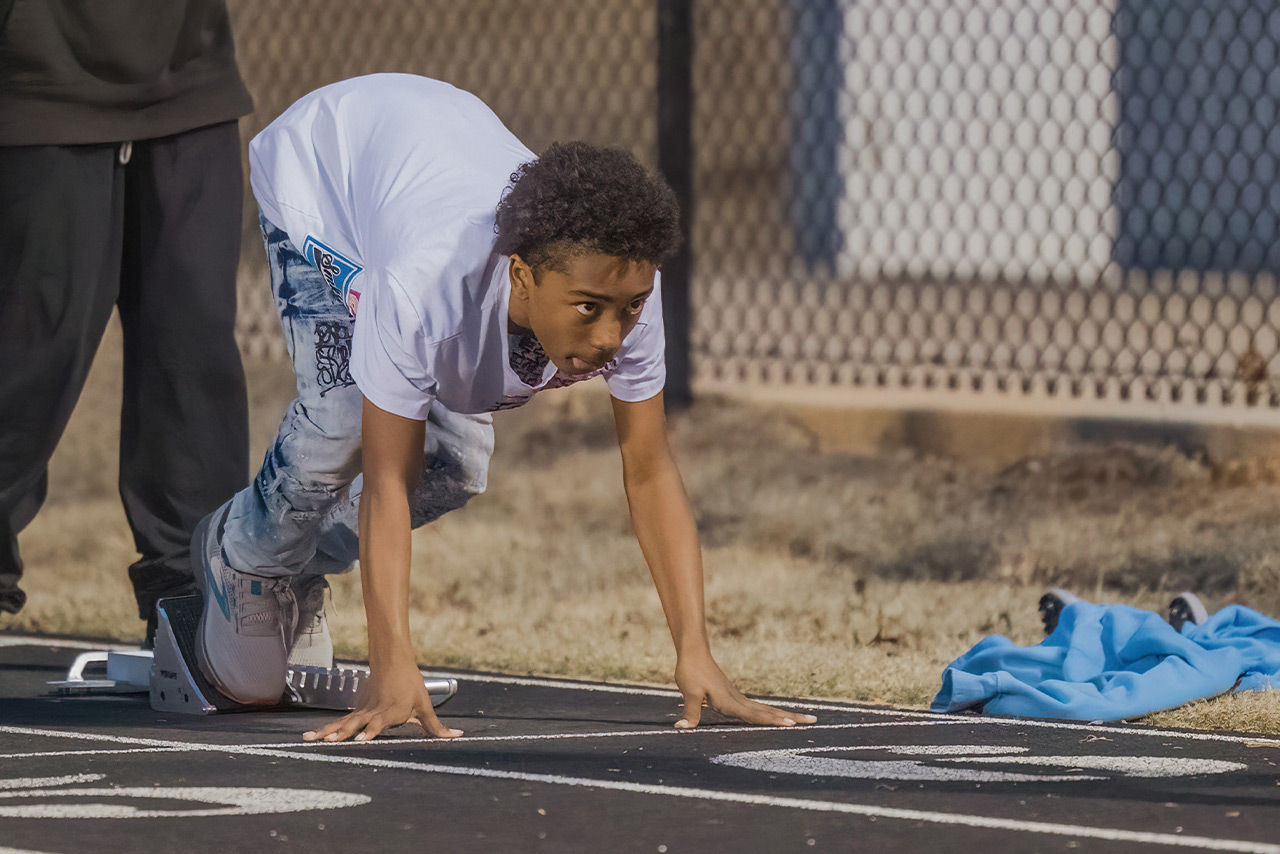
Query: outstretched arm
point(395, 693)
point(668, 537)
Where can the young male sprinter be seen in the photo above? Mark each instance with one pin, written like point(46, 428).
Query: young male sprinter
point(408, 324)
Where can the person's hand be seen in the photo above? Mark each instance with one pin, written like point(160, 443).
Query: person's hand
point(391, 698)
point(701, 680)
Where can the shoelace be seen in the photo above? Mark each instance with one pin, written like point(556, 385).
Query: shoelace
point(275, 603)
point(311, 608)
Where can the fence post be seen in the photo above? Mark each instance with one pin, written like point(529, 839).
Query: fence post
point(675, 162)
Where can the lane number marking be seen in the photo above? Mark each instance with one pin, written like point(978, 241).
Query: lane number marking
point(947, 763)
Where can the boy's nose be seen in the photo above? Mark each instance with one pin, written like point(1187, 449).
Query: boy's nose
point(606, 339)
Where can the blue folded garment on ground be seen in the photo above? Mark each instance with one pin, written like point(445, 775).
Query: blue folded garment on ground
point(1110, 662)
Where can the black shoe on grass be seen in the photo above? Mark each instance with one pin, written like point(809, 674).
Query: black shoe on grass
point(1051, 605)
point(1185, 608)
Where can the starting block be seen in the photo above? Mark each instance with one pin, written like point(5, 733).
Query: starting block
point(127, 672)
point(170, 675)
point(177, 685)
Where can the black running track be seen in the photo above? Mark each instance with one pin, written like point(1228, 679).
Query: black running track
point(561, 766)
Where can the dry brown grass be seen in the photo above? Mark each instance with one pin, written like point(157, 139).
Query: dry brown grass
point(1251, 712)
point(828, 574)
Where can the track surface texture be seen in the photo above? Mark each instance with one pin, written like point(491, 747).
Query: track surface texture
point(555, 766)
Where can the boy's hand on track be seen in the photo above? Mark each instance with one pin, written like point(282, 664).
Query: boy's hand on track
point(392, 698)
point(701, 681)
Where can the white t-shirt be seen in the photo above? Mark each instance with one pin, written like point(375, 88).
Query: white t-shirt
point(389, 184)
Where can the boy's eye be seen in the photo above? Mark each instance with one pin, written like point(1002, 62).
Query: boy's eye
point(636, 306)
point(586, 309)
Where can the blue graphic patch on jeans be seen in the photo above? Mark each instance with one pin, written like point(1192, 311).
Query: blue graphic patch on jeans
point(337, 269)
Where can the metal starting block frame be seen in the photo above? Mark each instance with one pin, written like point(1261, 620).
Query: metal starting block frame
point(127, 672)
point(177, 685)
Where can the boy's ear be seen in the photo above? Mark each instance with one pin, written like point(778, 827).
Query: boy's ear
point(521, 278)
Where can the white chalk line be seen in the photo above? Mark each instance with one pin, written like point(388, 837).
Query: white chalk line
point(958, 819)
point(817, 705)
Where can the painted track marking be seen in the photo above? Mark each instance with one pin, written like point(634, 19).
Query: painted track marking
point(809, 762)
point(927, 816)
point(39, 782)
point(231, 800)
point(920, 718)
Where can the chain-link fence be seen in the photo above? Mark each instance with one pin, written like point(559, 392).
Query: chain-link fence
point(1036, 200)
point(550, 70)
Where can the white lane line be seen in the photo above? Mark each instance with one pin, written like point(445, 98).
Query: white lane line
point(39, 782)
point(117, 739)
point(928, 816)
point(1252, 740)
point(430, 742)
point(679, 733)
point(816, 705)
point(643, 691)
point(35, 754)
point(62, 643)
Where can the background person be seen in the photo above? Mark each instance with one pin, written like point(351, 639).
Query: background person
point(121, 187)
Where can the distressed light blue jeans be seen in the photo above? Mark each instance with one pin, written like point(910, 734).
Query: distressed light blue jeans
point(299, 516)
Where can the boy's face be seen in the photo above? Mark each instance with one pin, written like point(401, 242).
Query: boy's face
point(580, 316)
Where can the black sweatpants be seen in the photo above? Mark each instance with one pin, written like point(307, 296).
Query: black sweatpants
point(157, 235)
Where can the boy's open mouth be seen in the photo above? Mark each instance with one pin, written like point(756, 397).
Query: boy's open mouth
point(581, 366)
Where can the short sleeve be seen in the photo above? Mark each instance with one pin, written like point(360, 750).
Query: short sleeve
point(641, 370)
point(388, 358)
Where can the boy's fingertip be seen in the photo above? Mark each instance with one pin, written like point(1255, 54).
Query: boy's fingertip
point(333, 736)
point(362, 736)
point(788, 722)
point(682, 724)
point(309, 736)
point(811, 719)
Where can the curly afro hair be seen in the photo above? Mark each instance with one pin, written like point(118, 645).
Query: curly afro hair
point(579, 198)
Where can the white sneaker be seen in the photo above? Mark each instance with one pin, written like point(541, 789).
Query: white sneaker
point(312, 646)
point(242, 641)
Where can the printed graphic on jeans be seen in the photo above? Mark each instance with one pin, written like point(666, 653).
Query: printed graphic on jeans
point(338, 270)
point(333, 355)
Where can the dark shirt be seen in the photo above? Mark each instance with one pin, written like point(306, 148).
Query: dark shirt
point(527, 357)
point(94, 71)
